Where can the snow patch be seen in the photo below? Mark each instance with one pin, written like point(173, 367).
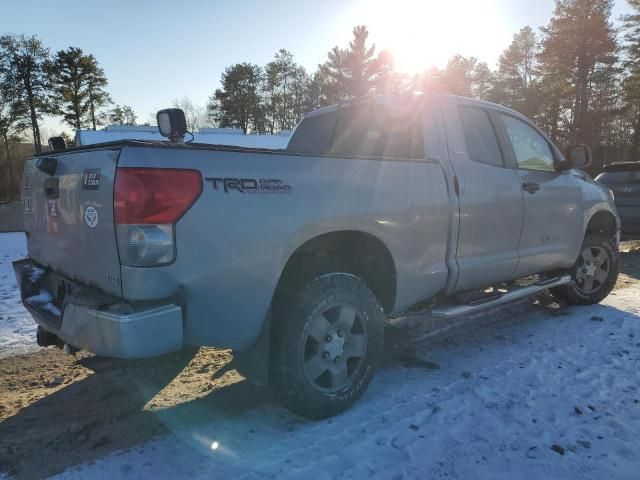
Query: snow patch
point(545, 394)
point(40, 299)
point(35, 274)
point(43, 301)
point(17, 328)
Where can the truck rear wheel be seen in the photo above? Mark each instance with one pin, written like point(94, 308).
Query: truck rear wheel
point(327, 344)
point(594, 273)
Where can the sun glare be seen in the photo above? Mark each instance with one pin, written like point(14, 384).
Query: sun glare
point(422, 33)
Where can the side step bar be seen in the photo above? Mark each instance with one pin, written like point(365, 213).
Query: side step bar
point(450, 311)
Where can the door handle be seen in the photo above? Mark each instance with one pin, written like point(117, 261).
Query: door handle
point(531, 187)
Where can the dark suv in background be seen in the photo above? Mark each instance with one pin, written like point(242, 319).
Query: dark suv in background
point(624, 180)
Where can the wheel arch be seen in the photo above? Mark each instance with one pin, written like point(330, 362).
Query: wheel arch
point(350, 251)
point(602, 221)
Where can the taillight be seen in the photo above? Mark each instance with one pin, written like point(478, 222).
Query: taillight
point(147, 204)
point(154, 195)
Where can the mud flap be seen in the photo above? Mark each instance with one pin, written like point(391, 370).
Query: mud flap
point(253, 364)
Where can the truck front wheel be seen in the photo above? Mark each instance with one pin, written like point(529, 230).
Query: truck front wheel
point(594, 274)
point(327, 343)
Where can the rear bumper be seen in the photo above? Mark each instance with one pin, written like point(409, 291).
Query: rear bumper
point(87, 318)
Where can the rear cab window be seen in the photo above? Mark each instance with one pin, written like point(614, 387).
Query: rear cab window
point(480, 136)
point(313, 135)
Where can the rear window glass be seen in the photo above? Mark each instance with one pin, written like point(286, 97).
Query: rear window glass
point(480, 136)
point(313, 135)
point(616, 178)
point(373, 131)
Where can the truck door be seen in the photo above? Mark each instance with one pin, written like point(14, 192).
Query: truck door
point(490, 197)
point(552, 230)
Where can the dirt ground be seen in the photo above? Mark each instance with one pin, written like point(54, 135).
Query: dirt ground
point(57, 411)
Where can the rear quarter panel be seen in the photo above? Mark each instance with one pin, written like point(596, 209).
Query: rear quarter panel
point(233, 246)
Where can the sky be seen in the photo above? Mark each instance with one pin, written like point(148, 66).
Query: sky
point(155, 51)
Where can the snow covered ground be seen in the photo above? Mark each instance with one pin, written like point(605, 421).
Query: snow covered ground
point(546, 394)
point(549, 394)
point(17, 328)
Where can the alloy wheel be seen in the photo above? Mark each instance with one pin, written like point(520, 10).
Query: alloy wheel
point(593, 269)
point(334, 347)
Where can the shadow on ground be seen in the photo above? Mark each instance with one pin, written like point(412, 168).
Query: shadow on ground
point(91, 407)
point(58, 411)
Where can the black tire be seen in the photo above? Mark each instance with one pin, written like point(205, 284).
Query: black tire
point(576, 292)
point(298, 355)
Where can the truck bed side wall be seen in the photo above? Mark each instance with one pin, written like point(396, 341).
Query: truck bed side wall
point(233, 246)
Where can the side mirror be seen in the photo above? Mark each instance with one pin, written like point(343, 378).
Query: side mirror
point(578, 156)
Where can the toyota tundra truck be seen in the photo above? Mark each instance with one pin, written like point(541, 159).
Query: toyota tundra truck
point(292, 258)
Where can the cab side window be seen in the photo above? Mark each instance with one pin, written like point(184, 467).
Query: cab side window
point(480, 136)
point(531, 149)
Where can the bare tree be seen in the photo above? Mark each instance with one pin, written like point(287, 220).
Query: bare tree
point(195, 114)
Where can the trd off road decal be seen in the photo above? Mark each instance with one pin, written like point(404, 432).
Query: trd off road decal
point(250, 185)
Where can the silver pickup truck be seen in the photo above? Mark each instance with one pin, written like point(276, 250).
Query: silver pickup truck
point(293, 257)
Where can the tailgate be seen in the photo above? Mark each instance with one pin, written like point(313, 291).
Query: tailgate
point(68, 216)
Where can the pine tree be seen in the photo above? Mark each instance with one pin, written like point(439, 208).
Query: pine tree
point(14, 118)
point(432, 80)
point(28, 58)
point(577, 47)
point(458, 75)
point(279, 75)
point(67, 72)
point(121, 115)
point(301, 98)
point(483, 81)
point(356, 71)
point(321, 91)
point(78, 84)
point(631, 83)
point(237, 104)
point(96, 85)
point(516, 73)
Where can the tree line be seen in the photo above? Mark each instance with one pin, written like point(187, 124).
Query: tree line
point(578, 77)
point(34, 82)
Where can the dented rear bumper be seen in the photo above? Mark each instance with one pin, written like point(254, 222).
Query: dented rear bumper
point(89, 319)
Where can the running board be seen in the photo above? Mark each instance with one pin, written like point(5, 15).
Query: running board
point(450, 311)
